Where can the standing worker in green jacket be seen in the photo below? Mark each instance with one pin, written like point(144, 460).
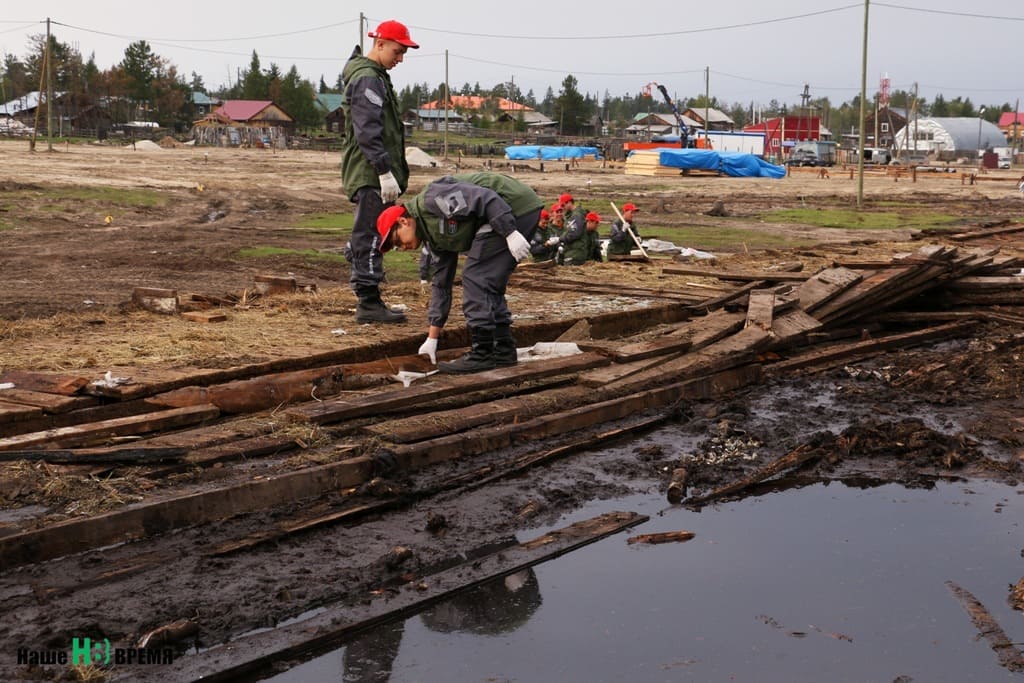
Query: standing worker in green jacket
point(491, 218)
point(373, 167)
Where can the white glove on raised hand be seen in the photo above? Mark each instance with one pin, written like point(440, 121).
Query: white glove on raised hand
point(518, 245)
point(389, 189)
point(626, 225)
point(552, 241)
point(429, 347)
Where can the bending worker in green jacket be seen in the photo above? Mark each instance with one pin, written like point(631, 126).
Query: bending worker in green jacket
point(373, 167)
point(491, 218)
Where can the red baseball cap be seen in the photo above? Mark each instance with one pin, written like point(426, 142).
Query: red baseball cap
point(630, 207)
point(393, 30)
point(385, 222)
point(593, 217)
point(544, 213)
point(565, 198)
point(556, 208)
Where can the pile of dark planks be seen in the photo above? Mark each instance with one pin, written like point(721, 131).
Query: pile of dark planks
point(636, 369)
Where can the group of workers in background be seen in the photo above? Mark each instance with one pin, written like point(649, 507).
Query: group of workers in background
point(495, 220)
point(569, 235)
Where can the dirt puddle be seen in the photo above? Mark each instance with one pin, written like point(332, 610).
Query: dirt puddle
point(829, 582)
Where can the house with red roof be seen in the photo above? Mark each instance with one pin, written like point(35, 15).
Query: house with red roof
point(245, 123)
point(1012, 125)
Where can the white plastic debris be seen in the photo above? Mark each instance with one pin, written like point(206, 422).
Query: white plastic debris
point(337, 332)
point(109, 381)
point(399, 308)
point(547, 350)
point(6, 385)
point(407, 377)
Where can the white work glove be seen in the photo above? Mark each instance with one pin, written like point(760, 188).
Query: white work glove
point(429, 347)
point(552, 241)
point(389, 189)
point(626, 226)
point(518, 245)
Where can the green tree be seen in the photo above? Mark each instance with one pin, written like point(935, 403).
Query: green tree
point(573, 110)
point(297, 97)
point(255, 84)
point(140, 67)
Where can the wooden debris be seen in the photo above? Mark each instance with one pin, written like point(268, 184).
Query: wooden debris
point(156, 300)
point(677, 486)
point(793, 459)
point(146, 455)
point(169, 634)
point(662, 537)
point(204, 317)
point(268, 285)
point(988, 628)
point(763, 275)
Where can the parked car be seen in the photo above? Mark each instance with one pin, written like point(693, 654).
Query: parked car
point(813, 153)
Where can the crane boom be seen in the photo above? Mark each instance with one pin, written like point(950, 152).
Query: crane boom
point(684, 131)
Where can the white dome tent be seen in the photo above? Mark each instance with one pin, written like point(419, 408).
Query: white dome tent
point(948, 138)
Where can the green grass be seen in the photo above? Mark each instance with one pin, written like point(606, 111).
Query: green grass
point(710, 238)
point(861, 220)
point(334, 224)
point(400, 265)
point(110, 196)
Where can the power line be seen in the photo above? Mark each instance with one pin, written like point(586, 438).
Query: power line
point(925, 10)
point(630, 36)
point(208, 40)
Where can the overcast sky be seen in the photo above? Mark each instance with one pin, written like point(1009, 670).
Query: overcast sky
point(756, 51)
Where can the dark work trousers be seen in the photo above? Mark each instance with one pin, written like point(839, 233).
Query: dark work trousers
point(485, 274)
point(364, 254)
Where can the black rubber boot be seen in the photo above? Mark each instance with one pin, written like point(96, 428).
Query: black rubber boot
point(505, 354)
point(479, 358)
point(371, 308)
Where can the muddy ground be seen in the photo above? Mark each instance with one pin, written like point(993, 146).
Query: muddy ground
point(949, 411)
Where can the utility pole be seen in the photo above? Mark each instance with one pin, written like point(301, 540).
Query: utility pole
point(49, 90)
point(707, 102)
point(863, 96)
point(362, 32)
point(446, 91)
point(805, 98)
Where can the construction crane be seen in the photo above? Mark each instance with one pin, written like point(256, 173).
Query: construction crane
point(684, 130)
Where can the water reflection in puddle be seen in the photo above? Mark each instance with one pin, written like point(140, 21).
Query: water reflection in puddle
point(824, 583)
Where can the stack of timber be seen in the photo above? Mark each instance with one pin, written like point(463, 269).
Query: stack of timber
point(355, 424)
point(647, 162)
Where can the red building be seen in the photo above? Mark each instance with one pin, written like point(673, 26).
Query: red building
point(783, 132)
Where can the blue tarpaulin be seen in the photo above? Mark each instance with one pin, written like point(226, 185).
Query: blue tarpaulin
point(549, 153)
point(739, 164)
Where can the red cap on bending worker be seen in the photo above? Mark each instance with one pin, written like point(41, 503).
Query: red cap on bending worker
point(630, 207)
point(544, 214)
point(386, 222)
point(564, 198)
point(593, 217)
point(394, 30)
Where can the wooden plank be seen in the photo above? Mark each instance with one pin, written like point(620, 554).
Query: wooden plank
point(748, 276)
point(53, 404)
point(760, 309)
point(204, 316)
point(50, 383)
point(249, 655)
point(976, 284)
point(825, 286)
point(79, 456)
point(610, 406)
point(18, 412)
point(436, 387)
point(977, 234)
point(852, 350)
point(90, 433)
point(161, 515)
point(1006, 650)
point(792, 327)
point(733, 351)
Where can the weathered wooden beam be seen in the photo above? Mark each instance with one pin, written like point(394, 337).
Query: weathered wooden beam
point(845, 352)
point(988, 628)
point(81, 435)
point(53, 404)
point(749, 276)
point(434, 388)
point(82, 456)
point(790, 460)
